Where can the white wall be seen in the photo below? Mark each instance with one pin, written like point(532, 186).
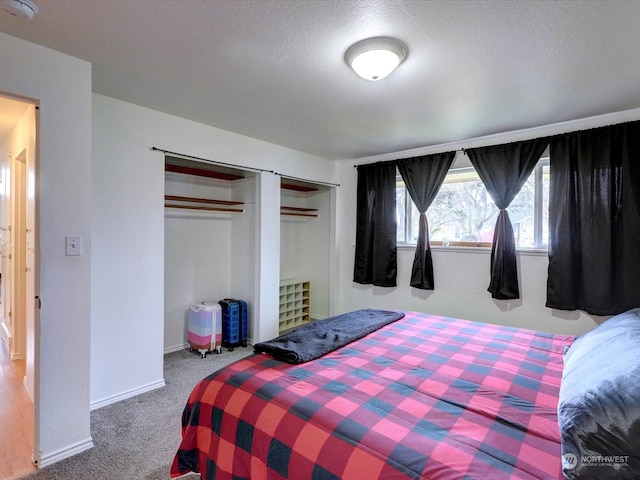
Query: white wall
point(128, 224)
point(127, 323)
point(62, 85)
point(266, 279)
point(461, 274)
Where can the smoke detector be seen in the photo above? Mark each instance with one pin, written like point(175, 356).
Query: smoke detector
point(21, 8)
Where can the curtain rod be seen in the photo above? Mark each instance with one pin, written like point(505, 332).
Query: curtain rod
point(214, 162)
point(404, 158)
point(549, 136)
point(241, 167)
point(326, 184)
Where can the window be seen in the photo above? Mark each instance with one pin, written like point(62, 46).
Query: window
point(464, 214)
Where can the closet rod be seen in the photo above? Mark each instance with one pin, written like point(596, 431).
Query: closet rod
point(201, 200)
point(213, 162)
point(291, 214)
point(326, 184)
point(208, 209)
point(298, 209)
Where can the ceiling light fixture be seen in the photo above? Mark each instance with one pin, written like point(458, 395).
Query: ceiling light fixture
point(21, 8)
point(375, 58)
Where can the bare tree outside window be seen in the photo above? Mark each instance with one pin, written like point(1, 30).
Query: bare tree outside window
point(463, 213)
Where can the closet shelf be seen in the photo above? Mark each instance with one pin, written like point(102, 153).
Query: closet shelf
point(226, 204)
point(298, 211)
point(297, 187)
point(201, 172)
point(177, 198)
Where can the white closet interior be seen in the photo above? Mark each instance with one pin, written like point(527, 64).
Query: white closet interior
point(213, 233)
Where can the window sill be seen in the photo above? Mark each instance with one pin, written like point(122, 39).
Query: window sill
point(533, 252)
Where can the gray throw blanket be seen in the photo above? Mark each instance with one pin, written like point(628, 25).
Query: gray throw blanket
point(316, 339)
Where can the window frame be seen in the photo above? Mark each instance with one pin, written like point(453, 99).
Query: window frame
point(538, 174)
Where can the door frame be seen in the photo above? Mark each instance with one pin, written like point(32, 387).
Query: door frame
point(31, 249)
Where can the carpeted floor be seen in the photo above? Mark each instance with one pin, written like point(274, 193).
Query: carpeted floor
point(138, 437)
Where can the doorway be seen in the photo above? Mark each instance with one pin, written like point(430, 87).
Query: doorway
point(18, 156)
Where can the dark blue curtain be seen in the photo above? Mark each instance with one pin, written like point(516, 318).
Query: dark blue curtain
point(376, 249)
point(594, 220)
point(503, 170)
point(423, 177)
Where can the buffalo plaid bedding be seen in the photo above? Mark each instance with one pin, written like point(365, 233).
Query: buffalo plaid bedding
point(424, 397)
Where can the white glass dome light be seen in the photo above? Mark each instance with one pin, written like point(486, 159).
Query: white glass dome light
point(375, 58)
point(21, 8)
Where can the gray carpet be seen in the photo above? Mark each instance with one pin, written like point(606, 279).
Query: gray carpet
point(138, 437)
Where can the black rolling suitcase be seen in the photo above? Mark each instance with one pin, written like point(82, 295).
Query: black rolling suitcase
point(234, 323)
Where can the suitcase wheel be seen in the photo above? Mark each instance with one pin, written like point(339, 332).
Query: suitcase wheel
point(218, 350)
point(244, 344)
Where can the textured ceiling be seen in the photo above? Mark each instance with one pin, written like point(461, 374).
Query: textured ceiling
point(275, 70)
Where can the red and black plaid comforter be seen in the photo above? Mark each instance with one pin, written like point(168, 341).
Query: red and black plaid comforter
point(424, 397)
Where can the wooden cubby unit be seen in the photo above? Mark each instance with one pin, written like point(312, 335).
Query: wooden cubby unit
point(294, 304)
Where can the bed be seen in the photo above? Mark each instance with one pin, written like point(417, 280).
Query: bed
point(421, 397)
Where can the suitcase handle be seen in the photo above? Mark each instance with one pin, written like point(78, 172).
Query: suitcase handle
point(196, 307)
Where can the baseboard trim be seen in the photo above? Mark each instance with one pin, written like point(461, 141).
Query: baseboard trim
point(127, 394)
point(66, 452)
point(176, 348)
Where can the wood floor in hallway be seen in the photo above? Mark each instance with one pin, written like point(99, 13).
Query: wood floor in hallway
point(16, 419)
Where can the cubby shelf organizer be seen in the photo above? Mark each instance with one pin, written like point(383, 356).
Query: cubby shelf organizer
point(294, 304)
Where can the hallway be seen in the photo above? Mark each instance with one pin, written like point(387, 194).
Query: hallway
point(16, 419)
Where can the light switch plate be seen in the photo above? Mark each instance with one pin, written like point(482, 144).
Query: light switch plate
point(74, 245)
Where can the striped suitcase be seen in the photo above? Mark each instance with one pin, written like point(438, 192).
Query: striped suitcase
point(234, 323)
point(205, 328)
